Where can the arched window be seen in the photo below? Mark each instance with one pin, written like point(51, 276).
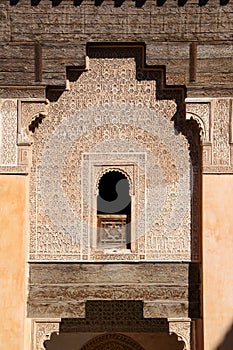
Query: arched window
point(114, 211)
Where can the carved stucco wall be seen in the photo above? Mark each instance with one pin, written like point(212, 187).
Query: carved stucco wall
point(215, 118)
point(8, 132)
point(107, 111)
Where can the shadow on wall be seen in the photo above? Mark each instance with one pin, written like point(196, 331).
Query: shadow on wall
point(227, 343)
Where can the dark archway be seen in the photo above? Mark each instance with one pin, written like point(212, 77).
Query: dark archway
point(112, 341)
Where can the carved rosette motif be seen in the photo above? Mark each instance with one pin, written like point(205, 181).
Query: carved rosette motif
point(108, 111)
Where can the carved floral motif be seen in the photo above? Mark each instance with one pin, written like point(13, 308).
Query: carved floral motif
point(107, 110)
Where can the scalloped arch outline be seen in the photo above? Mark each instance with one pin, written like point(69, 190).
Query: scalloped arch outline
point(109, 169)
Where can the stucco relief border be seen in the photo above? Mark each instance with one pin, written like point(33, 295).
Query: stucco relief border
point(212, 143)
point(8, 130)
point(201, 110)
point(182, 328)
point(17, 170)
point(96, 164)
point(42, 330)
point(31, 112)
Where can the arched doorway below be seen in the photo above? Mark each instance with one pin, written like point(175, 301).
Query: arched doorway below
point(113, 341)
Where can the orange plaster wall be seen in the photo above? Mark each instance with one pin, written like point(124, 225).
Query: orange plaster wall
point(12, 261)
point(218, 261)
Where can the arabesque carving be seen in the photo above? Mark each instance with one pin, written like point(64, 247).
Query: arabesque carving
point(221, 132)
point(108, 111)
point(42, 331)
point(182, 328)
point(30, 114)
point(8, 130)
point(201, 112)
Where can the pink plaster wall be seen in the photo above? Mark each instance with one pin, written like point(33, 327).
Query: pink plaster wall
point(218, 261)
point(12, 261)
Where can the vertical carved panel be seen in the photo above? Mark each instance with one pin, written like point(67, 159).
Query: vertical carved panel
point(8, 132)
point(221, 128)
point(214, 117)
point(201, 112)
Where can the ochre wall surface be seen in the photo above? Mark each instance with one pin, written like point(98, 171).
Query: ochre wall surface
point(218, 261)
point(12, 261)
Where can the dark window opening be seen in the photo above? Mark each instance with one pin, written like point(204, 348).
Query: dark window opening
point(114, 211)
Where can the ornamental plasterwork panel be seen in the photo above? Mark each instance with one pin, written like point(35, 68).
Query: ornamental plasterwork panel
point(42, 331)
point(221, 132)
point(182, 328)
point(94, 165)
point(108, 111)
point(8, 132)
point(30, 115)
point(214, 117)
point(201, 112)
point(28, 111)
